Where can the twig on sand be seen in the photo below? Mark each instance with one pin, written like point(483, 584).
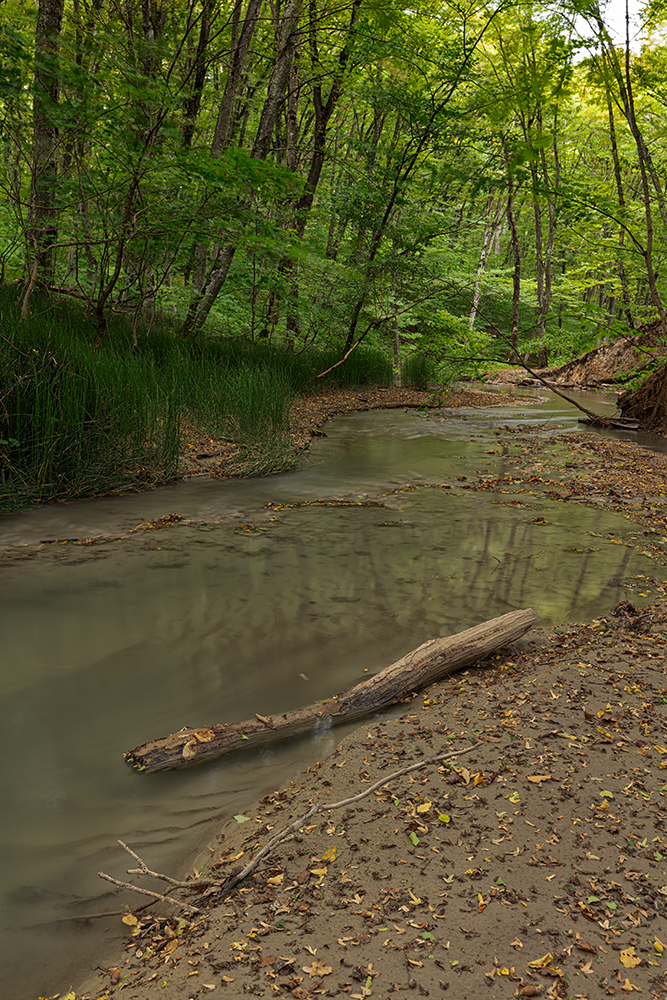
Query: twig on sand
point(147, 892)
point(231, 883)
point(222, 887)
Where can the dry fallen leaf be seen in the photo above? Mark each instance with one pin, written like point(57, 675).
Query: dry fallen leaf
point(317, 968)
point(204, 735)
point(516, 944)
point(276, 880)
point(130, 919)
point(537, 778)
point(481, 901)
point(541, 963)
point(628, 987)
point(189, 750)
point(630, 958)
point(316, 871)
point(424, 807)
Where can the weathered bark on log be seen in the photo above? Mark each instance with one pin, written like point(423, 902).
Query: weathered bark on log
point(428, 663)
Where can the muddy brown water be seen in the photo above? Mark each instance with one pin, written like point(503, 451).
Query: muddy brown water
point(104, 647)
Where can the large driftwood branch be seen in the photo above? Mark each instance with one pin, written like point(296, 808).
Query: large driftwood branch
point(430, 662)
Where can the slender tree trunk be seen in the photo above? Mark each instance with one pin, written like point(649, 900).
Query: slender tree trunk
point(620, 194)
point(516, 273)
point(201, 305)
point(494, 212)
point(192, 102)
point(43, 218)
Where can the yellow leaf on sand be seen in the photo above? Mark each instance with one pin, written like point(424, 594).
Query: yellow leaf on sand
point(329, 855)
point(628, 987)
point(69, 996)
point(481, 901)
point(276, 880)
point(630, 958)
point(227, 979)
point(317, 871)
point(168, 948)
point(537, 778)
point(424, 807)
point(130, 919)
point(189, 750)
point(415, 900)
point(318, 968)
point(541, 963)
point(478, 778)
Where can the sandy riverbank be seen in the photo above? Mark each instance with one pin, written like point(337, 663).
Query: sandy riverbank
point(533, 864)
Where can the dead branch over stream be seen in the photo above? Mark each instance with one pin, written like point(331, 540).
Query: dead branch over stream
point(431, 661)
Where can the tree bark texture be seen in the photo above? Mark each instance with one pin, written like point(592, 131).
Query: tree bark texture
point(423, 666)
point(43, 216)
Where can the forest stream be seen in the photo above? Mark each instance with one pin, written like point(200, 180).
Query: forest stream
point(239, 609)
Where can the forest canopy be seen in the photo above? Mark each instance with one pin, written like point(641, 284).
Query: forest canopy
point(465, 180)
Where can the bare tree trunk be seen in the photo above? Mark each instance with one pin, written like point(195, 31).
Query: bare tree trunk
point(43, 220)
point(494, 213)
point(192, 102)
point(201, 305)
point(516, 273)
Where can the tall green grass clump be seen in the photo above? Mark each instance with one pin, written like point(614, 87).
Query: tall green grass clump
point(74, 423)
point(76, 420)
point(418, 372)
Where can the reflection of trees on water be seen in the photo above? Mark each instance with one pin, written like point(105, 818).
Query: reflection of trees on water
point(324, 592)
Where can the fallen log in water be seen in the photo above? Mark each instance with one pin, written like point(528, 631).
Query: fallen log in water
point(428, 663)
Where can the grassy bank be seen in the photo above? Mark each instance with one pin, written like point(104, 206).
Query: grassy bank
point(79, 421)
